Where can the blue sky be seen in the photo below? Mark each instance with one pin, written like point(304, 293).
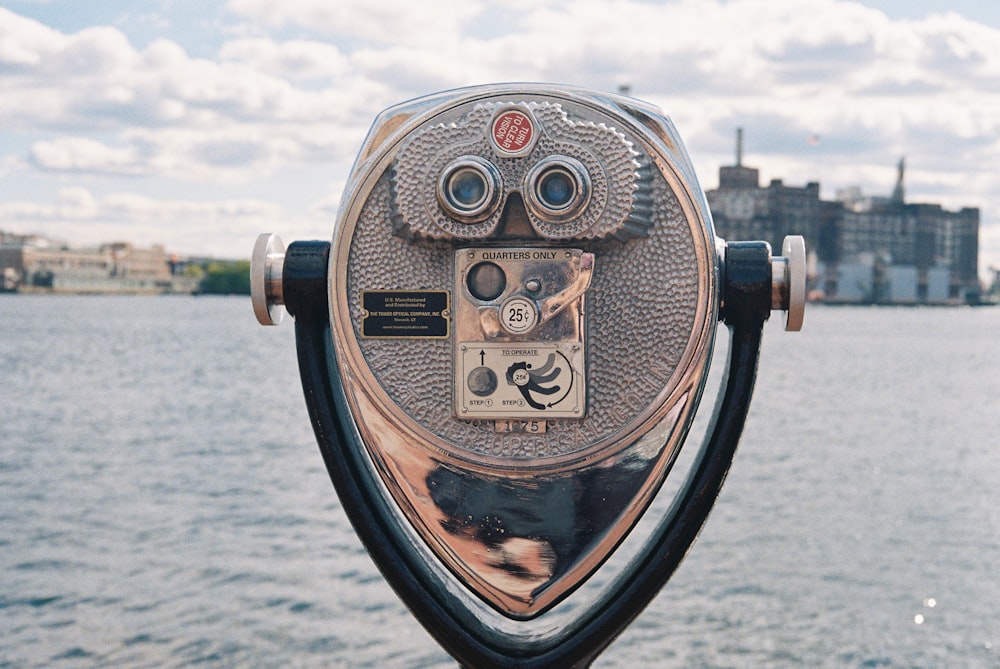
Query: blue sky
point(199, 124)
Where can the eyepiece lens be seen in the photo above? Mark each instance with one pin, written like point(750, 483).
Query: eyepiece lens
point(467, 188)
point(556, 188)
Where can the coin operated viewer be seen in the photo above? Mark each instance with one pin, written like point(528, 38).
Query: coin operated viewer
point(502, 351)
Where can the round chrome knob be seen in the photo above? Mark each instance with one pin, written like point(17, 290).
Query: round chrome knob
point(788, 281)
point(266, 264)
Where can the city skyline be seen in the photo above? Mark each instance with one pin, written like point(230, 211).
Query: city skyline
point(198, 125)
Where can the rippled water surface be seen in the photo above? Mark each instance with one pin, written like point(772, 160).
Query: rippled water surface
point(163, 503)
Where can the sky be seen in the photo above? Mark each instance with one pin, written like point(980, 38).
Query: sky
point(198, 125)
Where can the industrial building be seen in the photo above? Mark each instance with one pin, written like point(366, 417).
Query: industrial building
point(876, 250)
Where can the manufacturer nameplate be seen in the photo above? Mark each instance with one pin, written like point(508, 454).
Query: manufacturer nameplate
point(405, 314)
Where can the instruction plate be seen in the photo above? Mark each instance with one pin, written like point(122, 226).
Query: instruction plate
point(523, 380)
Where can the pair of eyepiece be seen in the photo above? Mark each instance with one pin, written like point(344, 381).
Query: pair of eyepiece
point(555, 190)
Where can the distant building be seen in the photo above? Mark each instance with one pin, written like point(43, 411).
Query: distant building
point(32, 262)
point(862, 249)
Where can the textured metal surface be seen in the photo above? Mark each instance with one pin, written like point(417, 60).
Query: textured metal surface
point(642, 304)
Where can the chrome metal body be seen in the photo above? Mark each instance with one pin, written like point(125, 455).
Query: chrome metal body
point(473, 494)
point(266, 288)
point(789, 282)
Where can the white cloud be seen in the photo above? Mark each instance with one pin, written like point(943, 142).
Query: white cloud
point(293, 60)
point(382, 21)
point(234, 153)
point(92, 104)
point(80, 154)
point(162, 113)
point(96, 79)
point(833, 66)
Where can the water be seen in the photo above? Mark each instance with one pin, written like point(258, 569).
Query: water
point(163, 504)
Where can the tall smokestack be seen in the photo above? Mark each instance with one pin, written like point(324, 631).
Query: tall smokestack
point(739, 147)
